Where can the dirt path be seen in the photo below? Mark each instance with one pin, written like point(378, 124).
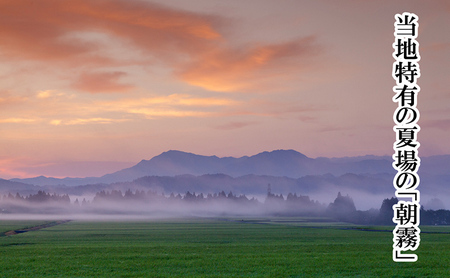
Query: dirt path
point(35, 228)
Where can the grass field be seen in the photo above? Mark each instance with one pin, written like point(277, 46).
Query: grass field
point(215, 248)
point(18, 224)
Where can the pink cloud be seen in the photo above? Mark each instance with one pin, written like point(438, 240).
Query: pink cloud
point(37, 30)
point(234, 125)
point(8, 99)
point(443, 124)
point(104, 82)
point(436, 47)
point(55, 32)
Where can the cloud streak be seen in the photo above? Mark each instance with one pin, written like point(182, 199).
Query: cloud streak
point(443, 124)
point(234, 125)
point(60, 109)
point(17, 121)
point(7, 99)
point(241, 68)
point(87, 121)
point(175, 105)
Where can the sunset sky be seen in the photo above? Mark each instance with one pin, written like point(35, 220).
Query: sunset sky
point(89, 87)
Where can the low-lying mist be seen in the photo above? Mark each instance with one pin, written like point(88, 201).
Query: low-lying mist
point(115, 205)
point(153, 205)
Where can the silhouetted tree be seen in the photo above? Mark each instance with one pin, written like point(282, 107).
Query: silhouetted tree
point(434, 217)
point(386, 212)
point(343, 208)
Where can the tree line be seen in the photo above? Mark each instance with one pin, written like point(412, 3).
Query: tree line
point(341, 209)
point(40, 197)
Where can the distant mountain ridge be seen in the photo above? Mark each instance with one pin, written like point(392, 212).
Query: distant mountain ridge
point(279, 163)
point(288, 171)
point(368, 190)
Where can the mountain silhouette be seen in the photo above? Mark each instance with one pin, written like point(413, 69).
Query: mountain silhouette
point(278, 163)
point(369, 177)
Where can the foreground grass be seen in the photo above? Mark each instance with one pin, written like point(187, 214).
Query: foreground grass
point(214, 248)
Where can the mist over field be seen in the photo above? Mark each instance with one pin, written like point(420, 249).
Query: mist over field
point(153, 205)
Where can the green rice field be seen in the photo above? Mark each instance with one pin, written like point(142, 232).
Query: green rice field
point(226, 247)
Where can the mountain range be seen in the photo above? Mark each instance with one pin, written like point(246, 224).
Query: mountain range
point(280, 163)
point(286, 170)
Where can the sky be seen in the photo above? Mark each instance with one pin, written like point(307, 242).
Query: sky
point(90, 87)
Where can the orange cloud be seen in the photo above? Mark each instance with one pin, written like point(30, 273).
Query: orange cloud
point(17, 121)
point(94, 34)
point(7, 98)
point(39, 30)
point(174, 105)
point(152, 113)
point(103, 82)
point(240, 69)
point(56, 108)
point(187, 100)
point(44, 94)
point(87, 121)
